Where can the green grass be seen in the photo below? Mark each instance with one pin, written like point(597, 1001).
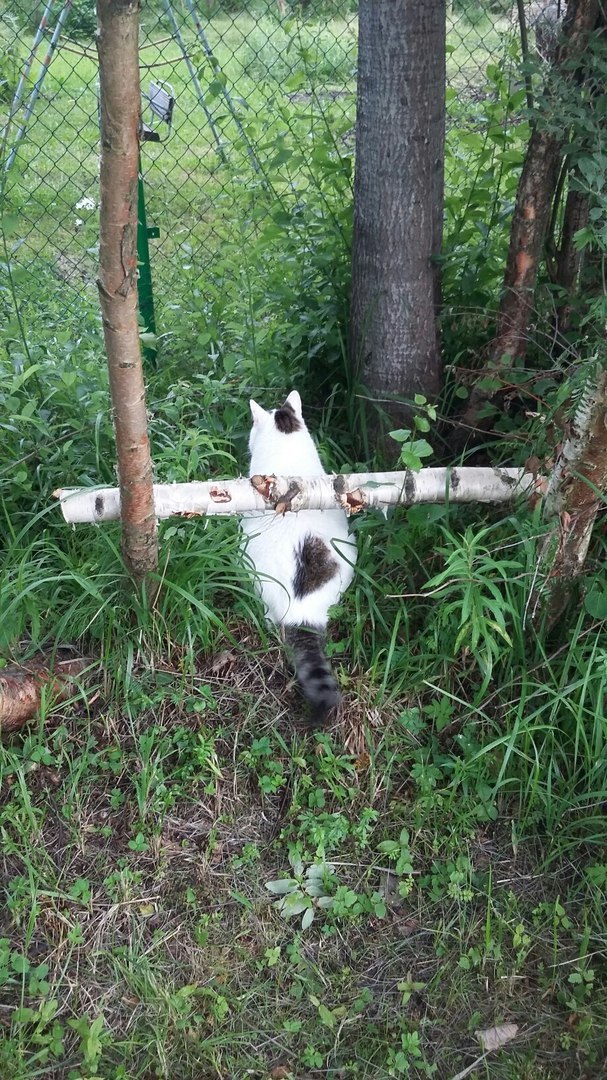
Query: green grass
point(293, 85)
point(451, 820)
point(443, 848)
point(190, 195)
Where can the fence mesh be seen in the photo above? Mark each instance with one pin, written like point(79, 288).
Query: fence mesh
point(258, 94)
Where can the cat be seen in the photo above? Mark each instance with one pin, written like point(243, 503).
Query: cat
point(303, 561)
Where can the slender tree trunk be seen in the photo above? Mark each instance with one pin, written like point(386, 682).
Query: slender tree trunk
point(398, 199)
point(120, 130)
point(569, 259)
point(575, 493)
point(533, 206)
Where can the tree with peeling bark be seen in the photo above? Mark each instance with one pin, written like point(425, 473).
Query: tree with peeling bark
point(398, 200)
point(534, 203)
point(576, 492)
point(120, 102)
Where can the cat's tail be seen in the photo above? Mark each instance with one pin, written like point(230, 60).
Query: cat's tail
point(313, 671)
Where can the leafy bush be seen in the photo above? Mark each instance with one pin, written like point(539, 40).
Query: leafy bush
point(9, 57)
point(477, 10)
point(299, 56)
point(83, 19)
point(81, 22)
point(485, 148)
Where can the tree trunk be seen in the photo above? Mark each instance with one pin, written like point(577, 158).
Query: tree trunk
point(347, 491)
point(120, 130)
point(576, 491)
point(569, 259)
point(398, 199)
point(533, 207)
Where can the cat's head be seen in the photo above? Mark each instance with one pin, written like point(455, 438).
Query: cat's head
point(286, 420)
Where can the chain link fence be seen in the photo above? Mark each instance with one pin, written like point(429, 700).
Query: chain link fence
point(239, 101)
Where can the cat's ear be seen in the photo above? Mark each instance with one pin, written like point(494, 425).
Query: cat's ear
point(294, 401)
point(259, 415)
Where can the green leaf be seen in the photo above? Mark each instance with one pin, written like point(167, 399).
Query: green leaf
point(281, 886)
point(315, 888)
point(400, 435)
point(389, 847)
point(422, 448)
point(293, 904)
point(410, 460)
point(308, 918)
point(19, 963)
point(326, 1016)
point(318, 871)
point(595, 602)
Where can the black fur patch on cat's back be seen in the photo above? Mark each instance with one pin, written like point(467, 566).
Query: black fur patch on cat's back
point(286, 420)
point(315, 566)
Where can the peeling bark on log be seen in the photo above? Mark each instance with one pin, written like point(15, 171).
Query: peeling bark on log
point(351, 492)
point(21, 688)
point(120, 102)
point(533, 207)
point(575, 493)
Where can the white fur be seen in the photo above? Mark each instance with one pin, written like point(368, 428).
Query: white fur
point(271, 541)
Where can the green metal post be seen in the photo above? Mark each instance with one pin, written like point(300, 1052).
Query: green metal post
point(144, 284)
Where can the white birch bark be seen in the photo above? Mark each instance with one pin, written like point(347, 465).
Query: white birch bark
point(351, 492)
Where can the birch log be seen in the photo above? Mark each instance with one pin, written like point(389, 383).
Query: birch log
point(120, 101)
point(351, 492)
point(21, 688)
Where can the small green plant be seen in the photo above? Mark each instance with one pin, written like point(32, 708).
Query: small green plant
point(412, 448)
point(409, 1056)
point(16, 968)
point(472, 594)
point(45, 1033)
point(261, 759)
point(92, 1037)
point(399, 852)
point(308, 890)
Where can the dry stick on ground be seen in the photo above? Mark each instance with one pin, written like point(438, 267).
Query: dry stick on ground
point(577, 489)
point(533, 206)
point(120, 130)
point(22, 688)
point(351, 492)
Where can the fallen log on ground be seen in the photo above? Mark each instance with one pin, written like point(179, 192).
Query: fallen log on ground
point(23, 687)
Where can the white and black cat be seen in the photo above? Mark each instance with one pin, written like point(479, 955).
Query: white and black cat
point(303, 561)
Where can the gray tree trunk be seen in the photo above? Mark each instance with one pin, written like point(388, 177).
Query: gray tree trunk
point(398, 199)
